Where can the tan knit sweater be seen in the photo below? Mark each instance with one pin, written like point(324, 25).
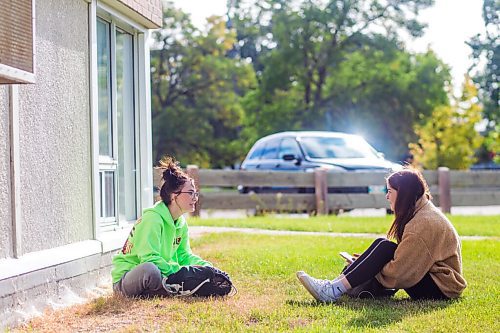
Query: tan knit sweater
point(430, 243)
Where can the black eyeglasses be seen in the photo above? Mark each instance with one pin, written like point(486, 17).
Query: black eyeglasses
point(193, 194)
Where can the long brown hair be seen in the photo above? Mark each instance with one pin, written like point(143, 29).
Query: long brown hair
point(173, 178)
point(410, 186)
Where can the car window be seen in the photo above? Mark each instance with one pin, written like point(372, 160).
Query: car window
point(257, 152)
point(327, 147)
point(271, 150)
point(289, 147)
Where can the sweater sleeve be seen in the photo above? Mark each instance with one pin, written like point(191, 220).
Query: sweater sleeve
point(184, 253)
point(412, 260)
point(148, 243)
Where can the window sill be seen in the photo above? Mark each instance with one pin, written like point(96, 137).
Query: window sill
point(47, 258)
point(107, 242)
point(11, 75)
point(114, 239)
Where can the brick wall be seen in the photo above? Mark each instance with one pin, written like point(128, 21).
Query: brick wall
point(150, 9)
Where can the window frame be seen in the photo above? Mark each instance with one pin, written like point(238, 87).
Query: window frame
point(17, 75)
point(142, 114)
point(271, 144)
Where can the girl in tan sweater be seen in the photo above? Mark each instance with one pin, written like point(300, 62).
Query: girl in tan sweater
point(425, 260)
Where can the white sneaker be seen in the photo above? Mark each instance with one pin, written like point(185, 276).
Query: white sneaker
point(321, 290)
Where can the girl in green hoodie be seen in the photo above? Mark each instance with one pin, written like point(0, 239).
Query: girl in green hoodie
point(157, 251)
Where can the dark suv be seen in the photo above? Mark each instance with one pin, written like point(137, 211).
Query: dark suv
point(305, 151)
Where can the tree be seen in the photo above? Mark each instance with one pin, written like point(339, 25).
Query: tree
point(321, 65)
point(449, 138)
point(196, 92)
point(307, 37)
point(486, 50)
point(381, 91)
point(486, 56)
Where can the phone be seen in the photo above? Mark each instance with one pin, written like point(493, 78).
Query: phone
point(347, 257)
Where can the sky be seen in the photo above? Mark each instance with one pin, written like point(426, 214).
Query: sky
point(450, 24)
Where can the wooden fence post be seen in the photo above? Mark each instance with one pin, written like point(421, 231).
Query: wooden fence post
point(321, 191)
point(194, 172)
point(444, 189)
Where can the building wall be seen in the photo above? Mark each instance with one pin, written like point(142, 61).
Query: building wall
point(59, 252)
point(55, 145)
point(150, 9)
point(31, 294)
point(5, 209)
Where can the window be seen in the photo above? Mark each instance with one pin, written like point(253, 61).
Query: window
point(16, 42)
point(289, 146)
point(330, 147)
point(256, 152)
point(116, 119)
point(271, 150)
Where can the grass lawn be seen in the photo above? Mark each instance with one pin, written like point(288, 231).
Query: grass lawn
point(465, 225)
point(270, 299)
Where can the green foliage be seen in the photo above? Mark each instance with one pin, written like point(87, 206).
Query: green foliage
point(493, 143)
point(281, 113)
point(449, 138)
point(378, 91)
point(490, 148)
point(196, 92)
point(486, 54)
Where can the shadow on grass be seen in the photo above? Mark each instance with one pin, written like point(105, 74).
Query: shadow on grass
point(383, 312)
point(369, 313)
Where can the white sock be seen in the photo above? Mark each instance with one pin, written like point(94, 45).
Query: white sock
point(338, 286)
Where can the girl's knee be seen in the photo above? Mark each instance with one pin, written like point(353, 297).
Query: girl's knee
point(150, 269)
point(380, 239)
point(387, 243)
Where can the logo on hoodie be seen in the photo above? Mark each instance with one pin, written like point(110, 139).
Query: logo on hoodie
point(127, 247)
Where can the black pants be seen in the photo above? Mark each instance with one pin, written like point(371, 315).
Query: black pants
point(145, 281)
point(361, 274)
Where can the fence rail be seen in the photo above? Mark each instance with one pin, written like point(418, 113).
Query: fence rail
point(448, 187)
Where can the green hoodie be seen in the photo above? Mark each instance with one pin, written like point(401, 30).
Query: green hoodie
point(156, 238)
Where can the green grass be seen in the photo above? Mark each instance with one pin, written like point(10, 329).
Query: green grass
point(465, 225)
point(263, 268)
point(270, 299)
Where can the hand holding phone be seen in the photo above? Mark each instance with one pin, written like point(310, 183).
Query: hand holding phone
point(347, 257)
